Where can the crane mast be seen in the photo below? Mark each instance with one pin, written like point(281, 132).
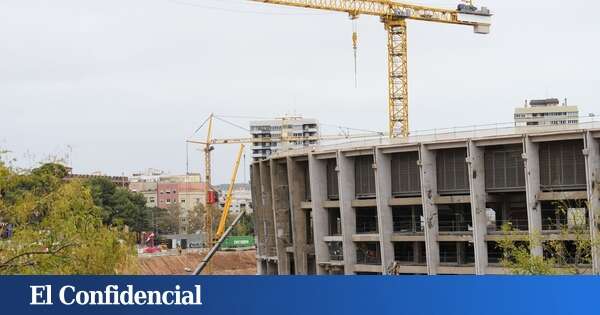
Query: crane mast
point(394, 15)
point(208, 213)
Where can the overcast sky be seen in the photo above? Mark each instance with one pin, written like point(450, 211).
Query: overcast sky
point(120, 84)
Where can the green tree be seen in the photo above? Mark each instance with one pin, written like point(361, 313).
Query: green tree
point(168, 220)
point(557, 258)
point(57, 227)
point(195, 218)
point(245, 227)
point(119, 205)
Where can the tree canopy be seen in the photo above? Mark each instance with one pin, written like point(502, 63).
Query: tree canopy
point(119, 205)
point(57, 227)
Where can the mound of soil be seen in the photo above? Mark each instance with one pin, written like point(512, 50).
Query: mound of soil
point(223, 263)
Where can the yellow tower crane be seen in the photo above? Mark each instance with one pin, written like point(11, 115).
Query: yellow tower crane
point(394, 15)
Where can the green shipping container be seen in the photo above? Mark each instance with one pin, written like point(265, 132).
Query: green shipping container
point(231, 242)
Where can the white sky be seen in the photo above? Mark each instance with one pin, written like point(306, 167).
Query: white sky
point(125, 82)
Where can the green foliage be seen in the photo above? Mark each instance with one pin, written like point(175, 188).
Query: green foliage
point(245, 227)
point(557, 258)
point(168, 221)
point(119, 205)
point(58, 228)
point(196, 219)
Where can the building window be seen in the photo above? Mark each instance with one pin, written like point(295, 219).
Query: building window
point(182, 200)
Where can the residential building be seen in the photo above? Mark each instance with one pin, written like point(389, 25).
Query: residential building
point(146, 183)
point(546, 112)
point(186, 191)
point(121, 181)
point(282, 134)
point(241, 198)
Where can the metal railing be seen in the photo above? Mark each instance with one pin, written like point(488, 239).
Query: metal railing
point(455, 226)
point(408, 224)
point(452, 258)
point(561, 224)
point(514, 225)
point(460, 132)
point(368, 257)
point(408, 259)
point(366, 225)
point(336, 252)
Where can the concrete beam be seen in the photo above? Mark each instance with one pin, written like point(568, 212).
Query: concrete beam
point(592, 162)
point(366, 238)
point(383, 186)
point(475, 161)
point(412, 201)
point(532, 183)
point(562, 195)
point(348, 217)
point(364, 203)
point(318, 190)
point(430, 211)
point(456, 199)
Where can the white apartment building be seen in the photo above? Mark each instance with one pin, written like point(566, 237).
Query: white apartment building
point(546, 112)
point(241, 198)
point(282, 134)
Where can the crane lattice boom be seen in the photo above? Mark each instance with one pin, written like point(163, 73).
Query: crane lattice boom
point(394, 15)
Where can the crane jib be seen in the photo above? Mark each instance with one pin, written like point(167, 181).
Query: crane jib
point(394, 14)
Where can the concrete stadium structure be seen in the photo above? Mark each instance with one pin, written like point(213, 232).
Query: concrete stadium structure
point(432, 204)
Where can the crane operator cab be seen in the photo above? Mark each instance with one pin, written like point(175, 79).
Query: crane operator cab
point(480, 17)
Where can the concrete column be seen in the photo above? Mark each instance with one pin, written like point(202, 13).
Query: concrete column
point(475, 161)
point(345, 169)
point(532, 183)
point(267, 209)
point(281, 210)
point(258, 219)
point(383, 186)
point(430, 211)
point(318, 192)
point(267, 213)
point(592, 162)
point(296, 190)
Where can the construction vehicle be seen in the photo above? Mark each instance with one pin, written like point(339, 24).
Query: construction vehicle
point(228, 197)
point(221, 233)
point(214, 240)
point(394, 15)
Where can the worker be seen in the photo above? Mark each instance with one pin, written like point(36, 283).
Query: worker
point(179, 249)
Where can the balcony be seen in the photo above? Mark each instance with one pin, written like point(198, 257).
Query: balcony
point(408, 219)
point(366, 221)
point(368, 253)
point(336, 252)
point(454, 218)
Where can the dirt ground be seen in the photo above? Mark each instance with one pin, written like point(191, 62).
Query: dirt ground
point(223, 263)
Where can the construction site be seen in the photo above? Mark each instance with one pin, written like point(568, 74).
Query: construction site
point(428, 203)
point(390, 201)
